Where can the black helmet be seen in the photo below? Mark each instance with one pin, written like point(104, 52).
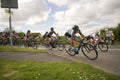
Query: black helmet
point(13, 31)
point(97, 33)
point(75, 27)
point(28, 31)
point(51, 28)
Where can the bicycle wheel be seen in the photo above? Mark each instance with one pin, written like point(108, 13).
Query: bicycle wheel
point(48, 46)
point(25, 44)
point(60, 47)
point(103, 46)
point(32, 44)
point(19, 43)
point(70, 50)
point(89, 51)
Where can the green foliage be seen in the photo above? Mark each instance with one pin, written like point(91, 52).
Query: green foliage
point(116, 32)
point(31, 70)
point(117, 42)
point(21, 34)
point(36, 34)
point(0, 33)
point(102, 33)
point(63, 40)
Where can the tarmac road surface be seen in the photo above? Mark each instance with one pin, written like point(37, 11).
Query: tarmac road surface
point(108, 61)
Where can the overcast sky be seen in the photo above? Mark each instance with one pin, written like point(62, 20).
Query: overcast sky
point(40, 15)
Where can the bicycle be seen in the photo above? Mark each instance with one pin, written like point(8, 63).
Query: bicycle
point(101, 44)
point(16, 41)
point(39, 42)
point(55, 44)
point(87, 49)
point(29, 43)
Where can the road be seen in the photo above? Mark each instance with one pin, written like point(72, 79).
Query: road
point(108, 61)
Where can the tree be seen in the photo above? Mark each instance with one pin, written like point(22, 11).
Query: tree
point(116, 32)
point(102, 33)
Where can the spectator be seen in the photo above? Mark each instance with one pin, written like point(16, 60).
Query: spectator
point(112, 39)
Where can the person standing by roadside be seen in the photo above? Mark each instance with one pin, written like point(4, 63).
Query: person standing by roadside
point(112, 39)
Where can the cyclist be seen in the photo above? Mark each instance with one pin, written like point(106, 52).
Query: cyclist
point(96, 38)
point(91, 39)
point(71, 36)
point(15, 37)
point(4, 38)
point(38, 38)
point(49, 38)
point(4, 35)
point(28, 36)
point(45, 35)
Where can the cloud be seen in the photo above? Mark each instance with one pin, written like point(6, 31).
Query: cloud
point(28, 12)
point(61, 2)
point(88, 14)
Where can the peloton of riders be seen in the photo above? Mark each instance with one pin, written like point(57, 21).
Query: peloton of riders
point(70, 36)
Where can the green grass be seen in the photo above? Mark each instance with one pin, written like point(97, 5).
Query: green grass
point(31, 70)
point(19, 49)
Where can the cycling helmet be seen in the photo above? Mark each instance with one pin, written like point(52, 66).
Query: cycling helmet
point(97, 33)
point(13, 31)
point(51, 28)
point(75, 27)
point(28, 31)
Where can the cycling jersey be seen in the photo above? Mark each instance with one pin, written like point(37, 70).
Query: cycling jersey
point(50, 33)
point(4, 35)
point(71, 33)
point(45, 35)
point(28, 35)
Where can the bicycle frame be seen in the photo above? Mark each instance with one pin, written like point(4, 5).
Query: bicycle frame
point(87, 50)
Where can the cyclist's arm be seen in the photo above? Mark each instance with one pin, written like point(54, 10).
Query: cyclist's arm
point(54, 33)
point(83, 36)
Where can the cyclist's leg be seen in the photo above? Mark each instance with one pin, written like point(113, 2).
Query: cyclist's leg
point(70, 39)
point(73, 43)
point(96, 42)
point(48, 39)
point(52, 39)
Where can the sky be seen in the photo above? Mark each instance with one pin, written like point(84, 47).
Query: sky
point(40, 15)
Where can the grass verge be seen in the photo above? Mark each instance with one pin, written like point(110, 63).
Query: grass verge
point(31, 70)
point(19, 49)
